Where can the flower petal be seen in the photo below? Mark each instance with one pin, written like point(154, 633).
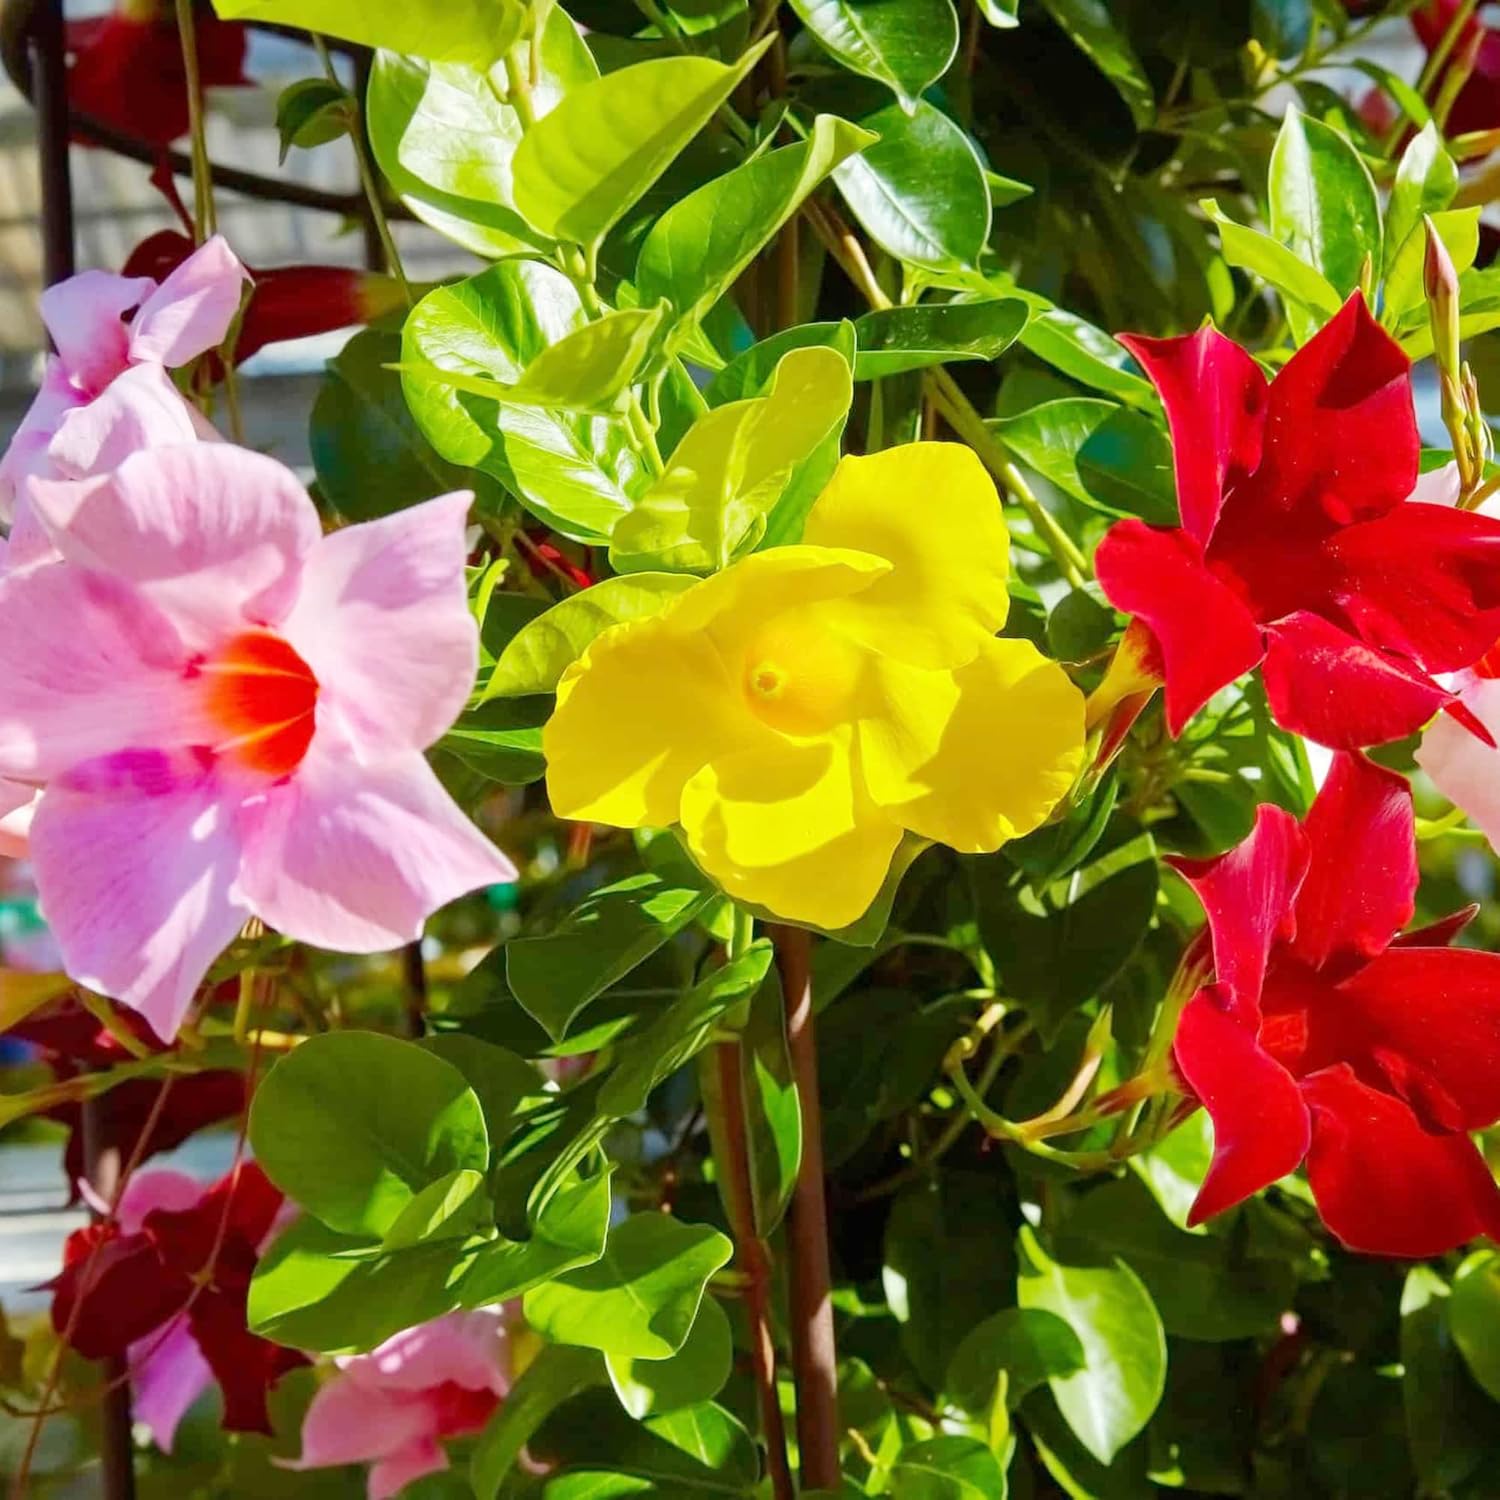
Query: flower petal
point(190, 312)
point(391, 1475)
point(466, 1348)
point(212, 534)
point(17, 802)
point(1361, 820)
point(932, 511)
point(356, 858)
point(245, 1365)
point(26, 454)
point(1462, 767)
point(383, 620)
point(1249, 897)
point(1261, 1125)
point(1326, 684)
point(1215, 396)
point(786, 827)
point(1205, 635)
point(159, 1188)
point(167, 1374)
point(949, 757)
point(84, 316)
point(349, 1422)
point(136, 867)
point(1384, 1185)
point(139, 409)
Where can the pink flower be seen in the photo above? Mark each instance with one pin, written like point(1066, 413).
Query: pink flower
point(391, 1408)
point(227, 712)
point(105, 392)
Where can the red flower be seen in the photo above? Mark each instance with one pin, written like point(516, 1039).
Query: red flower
point(128, 1280)
point(1300, 544)
point(127, 72)
point(1477, 106)
point(1327, 1036)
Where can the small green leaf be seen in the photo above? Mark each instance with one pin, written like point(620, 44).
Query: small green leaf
point(1001, 13)
point(912, 338)
point(1025, 1345)
point(947, 1468)
point(1458, 229)
point(1112, 1397)
point(477, 32)
point(596, 945)
point(353, 1125)
point(904, 44)
point(582, 166)
point(773, 1111)
point(1085, 353)
point(1089, 24)
point(501, 740)
point(733, 466)
point(541, 651)
point(592, 367)
point(312, 112)
point(1269, 259)
point(640, 1298)
point(501, 1080)
point(1474, 1315)
point(453, 1207)
point(1426, 181)
point(697, 1372)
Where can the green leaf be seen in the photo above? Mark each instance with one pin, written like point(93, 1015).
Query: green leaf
point(1112, 1398)
point(773, 1112)
point(1086, 354)
point(574, 472)
point(640, 1298)
point(697, 1372)
point(1025, 1345)
point(1404, 288)
point(904, 44)
point(1426, 181)
point(698, 248)
point(1474, 1316)
point(947, 1468)
point(912, 338)
point(920, 190)
point(501, 740)
point(312, 112)
point(543, 649)
point(557, 1373)
point(1323, 202)
point(501, 1080)
point(1447, 1419)
point(1112, 459)
point(580, 167)
point(1002, 13)
point(732, 467)
point(1094, 33)
point(555, 977)
point(453, 1207)
point(353, 1125)
point(1269, 259)
point(592, 367)
point(477, 32)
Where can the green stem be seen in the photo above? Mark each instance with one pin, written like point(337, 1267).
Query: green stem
point(204, 216)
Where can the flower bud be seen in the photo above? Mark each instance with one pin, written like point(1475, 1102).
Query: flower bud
point(1443, 300)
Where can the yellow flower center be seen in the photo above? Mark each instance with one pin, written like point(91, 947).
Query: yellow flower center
point(800, 677)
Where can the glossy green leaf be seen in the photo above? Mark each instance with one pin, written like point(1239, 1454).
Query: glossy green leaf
point(1269, 259)
point(696, 1373)
point(543, 649)
point(1027, 1346)
point(1426, 181)
point(1002, 13)
point(947, 1468)
point(1323, 202)
point(749, 374)
point(501, 740)
point(912, 338)
point(1474, 1316)
point(698, 248)
point(1095, 34)
point(773, 1111)
point(353, 1125)
point(920, 190)
point(453, 1207)
point(477, 32)
point(580, 167)
point(640, 1298)
point(592, 367)
point(1112, 1397)
point(574, 472)
point(733, 466)
point(1085, 353)
point(1447, 1418)
point(1459, 230)
point(501, 1080)
point(312, 112)
point(904, 44)
point(596, 945)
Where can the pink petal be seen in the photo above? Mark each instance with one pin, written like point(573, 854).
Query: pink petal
point(214, 535)
point(139, 409)
point(355, 858)
point(465, 1348)
point(17, 802)
point(1462, 767)
point(191, 311)
point(1248, 896)
point(84, 315)
point(27, 453)
point(136, 867)
point(350, 1423)
point(392, 1475)
point(89, 667)
point(160, 1187)
point(167, 1374)
point(383, 620)
point(1440, 486)
point(1362, 820)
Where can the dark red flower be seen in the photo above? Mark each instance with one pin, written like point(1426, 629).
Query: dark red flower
point(128, 1280)
point(1301, 545)
point(1325, 1036)
point(126, 67)
point(1477, 106)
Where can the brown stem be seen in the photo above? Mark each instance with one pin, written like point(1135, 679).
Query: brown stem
point(414, 970)
point(755, 1263)
point(814, 1359)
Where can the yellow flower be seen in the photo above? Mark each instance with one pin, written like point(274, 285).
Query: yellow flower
point(796, 712)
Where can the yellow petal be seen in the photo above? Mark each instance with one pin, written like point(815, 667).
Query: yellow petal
point(788, 828)
point(979, 755)
point(932, 511)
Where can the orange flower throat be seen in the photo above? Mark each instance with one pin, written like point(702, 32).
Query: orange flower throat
point(261, 696)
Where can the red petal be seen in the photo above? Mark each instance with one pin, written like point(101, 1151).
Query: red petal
point(113, 1290)
point(1215, 396)
point(1341, 430)
point(245, 1365)
point(1361, 881)
point(1204, 634)
point(1384, 1185)
point(1261, 1126)
point(226, 1224)
point(1423, 580)
point(1248, 896)
point(1326, 684)
point(1440, 933)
